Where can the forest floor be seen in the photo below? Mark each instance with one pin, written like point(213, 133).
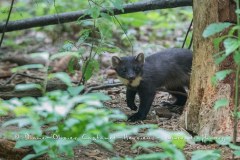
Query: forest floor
point(159, 115)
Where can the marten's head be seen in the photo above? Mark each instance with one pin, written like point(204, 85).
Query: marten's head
point(129, 69)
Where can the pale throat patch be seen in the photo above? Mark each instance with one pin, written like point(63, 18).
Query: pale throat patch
point(133, 83)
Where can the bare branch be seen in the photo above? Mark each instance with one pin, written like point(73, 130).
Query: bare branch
point(6, 24)
point(73, 16)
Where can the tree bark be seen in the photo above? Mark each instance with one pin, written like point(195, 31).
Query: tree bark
point(79, 15)
point(199, 115)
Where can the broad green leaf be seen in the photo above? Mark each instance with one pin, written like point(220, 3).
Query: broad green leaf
point(71, 122)
point(3, 110)
point(84, 34)
point(75, 90)
point(106, 16)
point(230, 45)
point(152, 156)
point(221, 103)
point(179, 141)
point(21, 111)
point(94, 12)
point(238, 115)
point(145, 144)
point(26, 67)
point(221, 75)
point(206, 155)
point(233, 31)
point(220, 59)
point(217, 41)
point(223, 140)
point(21, 122)
point(234, 147)
point(63, 77)
point(25, 143)
point(236, 153)
point(38, 147)
point(215, 28)
point(29, 101)
point(73, 65)
point(118, 4)
point(68, 46)
point(32, 156)
point(89, 67)
point(204, 139)
point(237, 11)
point(104, 144)
point(161, 134)
point(236, 57)
point(28, 86)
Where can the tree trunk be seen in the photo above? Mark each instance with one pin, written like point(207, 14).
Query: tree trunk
point(199, 115)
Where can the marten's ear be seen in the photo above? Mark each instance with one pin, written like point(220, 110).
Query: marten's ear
point(140, 58)
point(115, 61)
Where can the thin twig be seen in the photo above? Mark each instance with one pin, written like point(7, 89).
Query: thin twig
point(112, 14)
point(173, 92)
point(185, 39)
point(20, 74)
point(146, 150)
point(102, 87)
point(98, 87)
point(10, 79)
point(82, 81)
point(4, 29)
point(124, 32)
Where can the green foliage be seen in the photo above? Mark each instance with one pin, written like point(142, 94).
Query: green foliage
point(215, 28)
point(89, 67)
point(169, 142)
point(221, 103)
point(28, 86)
point(62, 76)
point(72, 120)
point(231, 44)
point(236, 57)
point(26, 67)
point(236, 149)
point(206, 155)
point(220, 75)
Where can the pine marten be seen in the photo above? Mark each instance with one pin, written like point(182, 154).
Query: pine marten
point(170, 68)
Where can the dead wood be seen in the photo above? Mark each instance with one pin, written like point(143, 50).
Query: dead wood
point(24, 59)
point(8, 150)
point(7, 92)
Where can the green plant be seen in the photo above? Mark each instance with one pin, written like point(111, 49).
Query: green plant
point(168, 145)
point(231, 43)
point(60, 120)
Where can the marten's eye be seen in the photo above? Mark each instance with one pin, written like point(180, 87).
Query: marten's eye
point(137, 69)
point(124, 70)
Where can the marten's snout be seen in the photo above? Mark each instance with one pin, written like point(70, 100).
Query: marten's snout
point(131, 75)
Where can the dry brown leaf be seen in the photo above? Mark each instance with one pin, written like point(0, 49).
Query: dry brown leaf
point(62, 64)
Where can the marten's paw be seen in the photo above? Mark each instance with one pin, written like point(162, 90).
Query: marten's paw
point(135, 117)
point(134, 107)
